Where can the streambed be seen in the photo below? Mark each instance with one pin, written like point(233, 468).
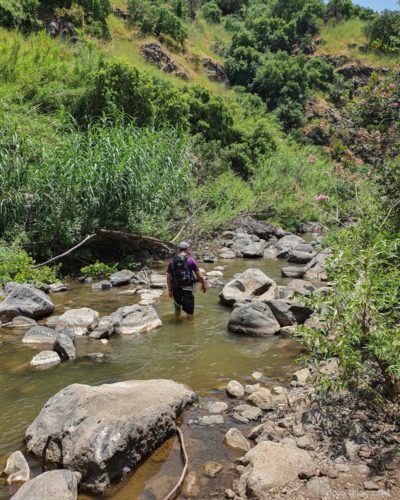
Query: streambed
point(201, 354)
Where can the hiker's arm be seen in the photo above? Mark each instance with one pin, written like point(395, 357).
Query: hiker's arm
point(202, 281)
point(169, 284)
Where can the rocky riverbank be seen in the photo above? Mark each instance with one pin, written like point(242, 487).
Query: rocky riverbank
point(288, 442)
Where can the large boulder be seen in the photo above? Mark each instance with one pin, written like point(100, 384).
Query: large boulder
point(301, 254)
point(269, 466)
point(105, 431)
point(120, 278)
point(64, 346)
point(286, 244)
point(25, 300)
point(40, 335)
point(140, 319)
point(302, 287)
point(289, 313)
point(293, 272)
point(262, 229)
point(81, 321)
point(249, 285)
point(20, 322)
point(253, 319)
point(55, 484)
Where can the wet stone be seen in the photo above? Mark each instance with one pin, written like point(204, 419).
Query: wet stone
point(235, 439)
point(211, 468)
point(191, 487)
point(216, 406)
point(207, 420)
point(235, 389)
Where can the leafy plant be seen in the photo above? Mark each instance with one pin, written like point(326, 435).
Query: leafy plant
point(98, 270)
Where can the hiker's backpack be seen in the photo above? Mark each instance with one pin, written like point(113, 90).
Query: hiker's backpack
point(181, 274)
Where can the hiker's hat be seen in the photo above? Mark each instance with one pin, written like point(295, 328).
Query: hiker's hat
point(184, 245)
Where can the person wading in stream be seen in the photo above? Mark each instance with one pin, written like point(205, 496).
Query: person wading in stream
point(182, 274)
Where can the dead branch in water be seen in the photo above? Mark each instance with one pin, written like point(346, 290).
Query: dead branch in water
point(172, 494)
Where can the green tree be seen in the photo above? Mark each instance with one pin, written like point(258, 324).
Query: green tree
point(273, 34)
point(212, 12)
point(19, 14)
point(383, 31)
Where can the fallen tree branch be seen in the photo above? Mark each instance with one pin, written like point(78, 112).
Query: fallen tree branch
point(175, 490)
point(170, 246)
point(90, 237)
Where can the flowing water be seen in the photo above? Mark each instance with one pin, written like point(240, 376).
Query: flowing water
point(200, 353)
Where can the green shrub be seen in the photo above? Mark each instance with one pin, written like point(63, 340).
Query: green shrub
point(98, 270)
point(233, 23)
point(169, 24)
point(212, 12)
point(383, 31)
point(360, 316)
point(17, 265)
point(118, 88)
point(19, 14)
point(242, 64)
point(273, 34)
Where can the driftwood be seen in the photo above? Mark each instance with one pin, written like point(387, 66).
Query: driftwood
point(172, 494)
point(170, 246)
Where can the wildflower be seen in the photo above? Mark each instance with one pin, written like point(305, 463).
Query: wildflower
point(358, 161)
point(355, 176)
point(395, 105)
point(321, 198)
point(392, 86)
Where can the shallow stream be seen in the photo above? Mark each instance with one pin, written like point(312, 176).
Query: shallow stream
point(200, 353)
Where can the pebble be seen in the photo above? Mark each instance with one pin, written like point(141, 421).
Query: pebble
point(230, 493)
point(247, 412)
point(208, 420)
point(191, 487)
point(235, 439)
point(104, 341)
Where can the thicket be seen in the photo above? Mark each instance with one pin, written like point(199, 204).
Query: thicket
point(383, 31)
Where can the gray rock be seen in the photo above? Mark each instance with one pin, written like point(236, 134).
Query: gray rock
point(20, 322)
point(350, 449)
point(249, 285)
point(281, 310)
point(227, 255)
point(82, 320)
point(370, 486)
point(64, 347)
point(235, 439)
point(56, 484)
point(293, 272)
point(52, 321)
point(103, 445)
point(98, 357)
point(254, 250)
point(58, 287)
point(301, 287)
point(209, 258)
point(103, 330)
point(17, 468)
point(235, 389)
point(158, 280)
point(247, 412)
point(45, 358)
point(40, 335)
point(286, 244)
point(270, 253)
point(253, 319)
point(25, 300)
point(102, 285)
point(121, 278)
point(140, 319)
point(269, 466)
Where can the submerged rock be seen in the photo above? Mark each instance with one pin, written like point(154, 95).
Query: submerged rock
point(105, 431)
point(81, 321)
point(25, 300)
point(253, 319)
point(58, 287)
point(102, 285)
point(20, 322)
point(56, 485)
point(252, 284)
point(17, 468)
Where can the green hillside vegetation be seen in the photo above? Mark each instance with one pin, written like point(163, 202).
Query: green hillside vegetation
point(92, 136)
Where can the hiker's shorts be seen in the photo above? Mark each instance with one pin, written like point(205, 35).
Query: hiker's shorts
point(184, 298)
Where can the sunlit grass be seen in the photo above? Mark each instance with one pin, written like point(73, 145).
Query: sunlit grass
point(336, 38)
